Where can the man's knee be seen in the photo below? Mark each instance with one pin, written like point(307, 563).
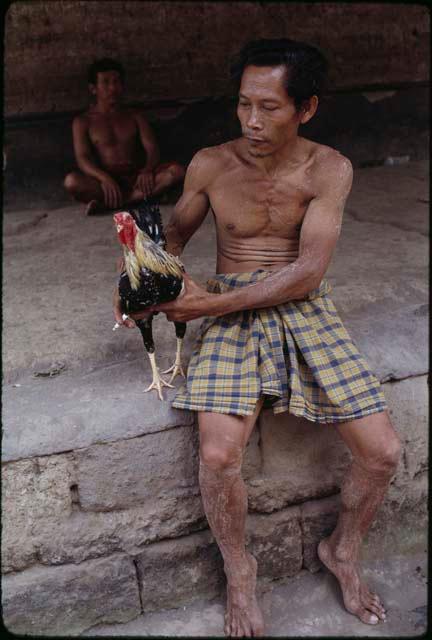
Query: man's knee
point(71, 182)
point(221, 458)
point(179, 171)
point(175, 170)
point(392, 453)
point(385, 459)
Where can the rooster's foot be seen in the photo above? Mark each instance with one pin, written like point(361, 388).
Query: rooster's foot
point(177, 370)
point(158, 382)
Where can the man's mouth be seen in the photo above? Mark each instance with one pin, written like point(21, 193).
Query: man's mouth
point(256, 140)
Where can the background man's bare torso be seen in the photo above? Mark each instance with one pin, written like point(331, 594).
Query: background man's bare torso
point(115, 139)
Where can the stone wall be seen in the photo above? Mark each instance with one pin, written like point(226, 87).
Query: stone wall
point(91, 530)
point(180, 50)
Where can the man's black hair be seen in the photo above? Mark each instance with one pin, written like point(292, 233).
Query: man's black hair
point(306, 66)
point(104, 64)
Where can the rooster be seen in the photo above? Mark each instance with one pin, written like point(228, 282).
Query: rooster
point(151, 276)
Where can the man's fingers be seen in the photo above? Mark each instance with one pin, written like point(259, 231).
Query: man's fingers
point(105, 195)
point(111, 198)
point(115, 198)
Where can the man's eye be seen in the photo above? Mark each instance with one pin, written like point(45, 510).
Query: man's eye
point(244, 104)
point(269, 108)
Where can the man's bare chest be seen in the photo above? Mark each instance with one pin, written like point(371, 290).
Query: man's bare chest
point(249, 205)
point(112, 131)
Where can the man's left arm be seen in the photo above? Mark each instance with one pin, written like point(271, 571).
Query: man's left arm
point(145, 180)
point(319, 234)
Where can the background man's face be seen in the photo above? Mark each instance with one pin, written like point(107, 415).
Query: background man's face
point(267, 114)
point(108, 87)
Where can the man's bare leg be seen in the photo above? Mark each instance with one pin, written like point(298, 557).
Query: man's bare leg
point(376, 450)
point(222, 442)
point(85, 189)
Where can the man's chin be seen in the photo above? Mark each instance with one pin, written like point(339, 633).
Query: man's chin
point(258, 153)
point(258, 150)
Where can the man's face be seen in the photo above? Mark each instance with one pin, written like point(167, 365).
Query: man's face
point(108, 87)
point(266, 112)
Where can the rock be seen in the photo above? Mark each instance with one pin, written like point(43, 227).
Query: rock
point(18, 546)
point(129, 472)
point(70, 598)
point(192, 567)
point(252, 459)
point(42, 516)
point(368, 327)
point(318, 519)
point(36, 496)
point(89, 535)
point(276, 542)
point(301, 461)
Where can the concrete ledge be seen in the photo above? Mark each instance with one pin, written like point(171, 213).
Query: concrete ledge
point(69, 599)
point(103, 405)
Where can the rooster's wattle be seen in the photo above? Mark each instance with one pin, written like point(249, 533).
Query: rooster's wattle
point(151, 276)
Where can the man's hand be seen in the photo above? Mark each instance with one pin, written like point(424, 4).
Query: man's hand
point(145, 182)
point(194, 302)
point(112, 194)
point(129, 323)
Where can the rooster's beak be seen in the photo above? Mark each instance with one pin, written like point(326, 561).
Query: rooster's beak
point(119, 227)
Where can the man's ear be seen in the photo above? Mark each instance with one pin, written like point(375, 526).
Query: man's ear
point(308, 109)
point(92, 88)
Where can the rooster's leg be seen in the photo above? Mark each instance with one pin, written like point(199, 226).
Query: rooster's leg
point(177, 368)
point(158, 382)
point(145, 326)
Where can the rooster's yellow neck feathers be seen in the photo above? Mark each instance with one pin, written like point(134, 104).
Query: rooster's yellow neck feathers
point(149, 255)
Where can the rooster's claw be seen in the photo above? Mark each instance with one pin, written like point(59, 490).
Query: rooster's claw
point(158, 383)
point(177, 370)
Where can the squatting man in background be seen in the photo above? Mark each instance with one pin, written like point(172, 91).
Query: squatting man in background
point(115, 148)
point(271, 335)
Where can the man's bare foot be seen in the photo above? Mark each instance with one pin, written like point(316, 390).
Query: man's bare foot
point(357, 598)
point(94, 208)
point(243, 618)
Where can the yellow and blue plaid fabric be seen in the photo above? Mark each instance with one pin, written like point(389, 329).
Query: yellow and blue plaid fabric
point(298, 355)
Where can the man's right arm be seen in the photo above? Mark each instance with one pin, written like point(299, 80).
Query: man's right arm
point(194, 203)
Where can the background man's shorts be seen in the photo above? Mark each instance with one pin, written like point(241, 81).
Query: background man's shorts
point(298, 355)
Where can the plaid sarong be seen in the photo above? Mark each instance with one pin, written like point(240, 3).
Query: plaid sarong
point(298, 355)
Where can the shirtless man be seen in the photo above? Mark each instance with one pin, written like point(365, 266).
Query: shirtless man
point(115, 148)
point(277, 200)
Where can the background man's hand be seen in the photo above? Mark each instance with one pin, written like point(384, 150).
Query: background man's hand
point(112, 194)
point(145, 182)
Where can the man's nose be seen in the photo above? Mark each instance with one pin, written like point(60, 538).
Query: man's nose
point(254, 120)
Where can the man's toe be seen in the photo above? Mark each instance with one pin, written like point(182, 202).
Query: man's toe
point(367, 617)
